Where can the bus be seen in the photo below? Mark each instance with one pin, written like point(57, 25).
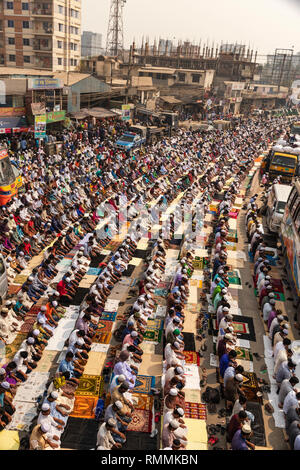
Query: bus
point(3, 280)
point(290, 239)
point(10, 178)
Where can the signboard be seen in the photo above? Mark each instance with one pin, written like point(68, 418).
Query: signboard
point(12, 111)
point(56, 116)
point(40, 127)
point(126, 112)
point(44, 84)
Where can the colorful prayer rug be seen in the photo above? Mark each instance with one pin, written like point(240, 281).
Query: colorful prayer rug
point(84, 407)
point(151, 335)
point(90, 386)
point(156, 324)
point(161, 292)
point(195, 411)
point(191, 357)
point(143, 384)
point(141, 421)
point(104, 326)
point(13, 289)
point(28, 324)
point(277, 285)
point(163, 285)
point(144, 402)
point(13, 348)
point(110, 316)
point(240, 327)
point(20, 279)
point(279, 296)
point(102, 337)
point(244, 354)
point(93, 272)
point(234, 280)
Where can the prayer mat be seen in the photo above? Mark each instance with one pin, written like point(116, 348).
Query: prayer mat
point(23, 416)
point(20, 279)
point(258, 429)
point(112, 246)
point(196, 430)
point(244, 354)
point(140, 254)
point(13, 348)
point(79, 296)
point(191, 357)
point(84, 407)
point(49, 358)
point(248, 365)
point(189, 342)
point(155, 324)
point(135, 261)
point(95, 363)
point(104, 326)
point(143, 384)
point(34, 310)
point(152, 335)
point(151, 365)
point(200, 263)
point(176, 241)
point(164, 285)
point(141, 421)
point(93, 272)
point(12, 289)
point(277, 286)
point(28, 324)
point(80, 434)
point(96, 261)
point(144, 402)
point(128, 272)
point(102, 337)
point(148, 347)
point(250, 386)
point(244, 327)
point(110, 316)
point(161, 292)
point(90, 386)
point(195, 411)
point(140, 441)
point(234, 280)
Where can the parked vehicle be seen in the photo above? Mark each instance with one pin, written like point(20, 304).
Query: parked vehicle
point(277, 200)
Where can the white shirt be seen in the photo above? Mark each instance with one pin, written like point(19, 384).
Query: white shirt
point(289, 401)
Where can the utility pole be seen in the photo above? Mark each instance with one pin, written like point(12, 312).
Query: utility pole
point(115, 35)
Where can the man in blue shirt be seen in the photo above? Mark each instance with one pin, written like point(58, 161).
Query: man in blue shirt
point(240, 440)
point(226, 360)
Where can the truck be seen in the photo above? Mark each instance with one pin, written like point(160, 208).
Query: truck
point(283, 163)
point(130, 141)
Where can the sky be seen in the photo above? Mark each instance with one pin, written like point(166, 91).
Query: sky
point(264, 24)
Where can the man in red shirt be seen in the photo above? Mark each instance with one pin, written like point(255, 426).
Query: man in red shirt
point(236, 423)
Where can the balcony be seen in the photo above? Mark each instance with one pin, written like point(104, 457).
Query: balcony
point(38, 10)
point(40, 48)
point(43, 62)
point(43, 29)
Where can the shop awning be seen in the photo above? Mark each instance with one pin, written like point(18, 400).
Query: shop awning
point(99, 113)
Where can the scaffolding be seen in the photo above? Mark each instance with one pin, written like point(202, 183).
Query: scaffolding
point(282, 67)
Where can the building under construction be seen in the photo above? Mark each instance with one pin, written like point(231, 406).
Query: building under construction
point(230, 62)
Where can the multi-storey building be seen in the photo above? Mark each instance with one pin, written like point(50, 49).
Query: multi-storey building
point(91, 44)
point(40, 34)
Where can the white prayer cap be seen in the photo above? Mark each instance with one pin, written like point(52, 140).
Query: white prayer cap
point(80, 342)
point(68, 279)
point(272, 301)
point(2, 371)
point(179, 370)
point(36, 332)
point(54, 395)
point(81, 248)
point(30, 278)
point(112, 422)
point(45, 407)
point(174, 424)
point(239, 377)
point(225, 309)
point(134, 334)
point(224, 291)
point(121, 378)
point(246, 428)
point(231, 329)
point(119, 404)
point(5, 385)
point(55, 304)
point(176, 345)
point(43, 308)
point(228, 336)
point(285, 332)
point(268, 277)
point(180, 411)
point(229, 316)
point(173, 392)
point(45, 427)
point(30, 340)
point(42, 321)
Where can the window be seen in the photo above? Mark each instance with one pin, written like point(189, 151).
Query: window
point(75, 62)
point(10, 5)
point(25, 24)
point(181, 77)
point(59, 61)
point(27, 59)
point(72, 62)
point(59, 44)
point(25, 6)
point(10, 23)
point(26, 42)
point(60, 9)
point(195, 78)
point(11, 41)
point(12, 58)
point(60, 27)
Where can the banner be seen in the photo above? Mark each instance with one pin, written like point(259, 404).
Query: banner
point(126, 112)
point(44, 84)
point(56, 116)
point(21, 111)
point(40, 126)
